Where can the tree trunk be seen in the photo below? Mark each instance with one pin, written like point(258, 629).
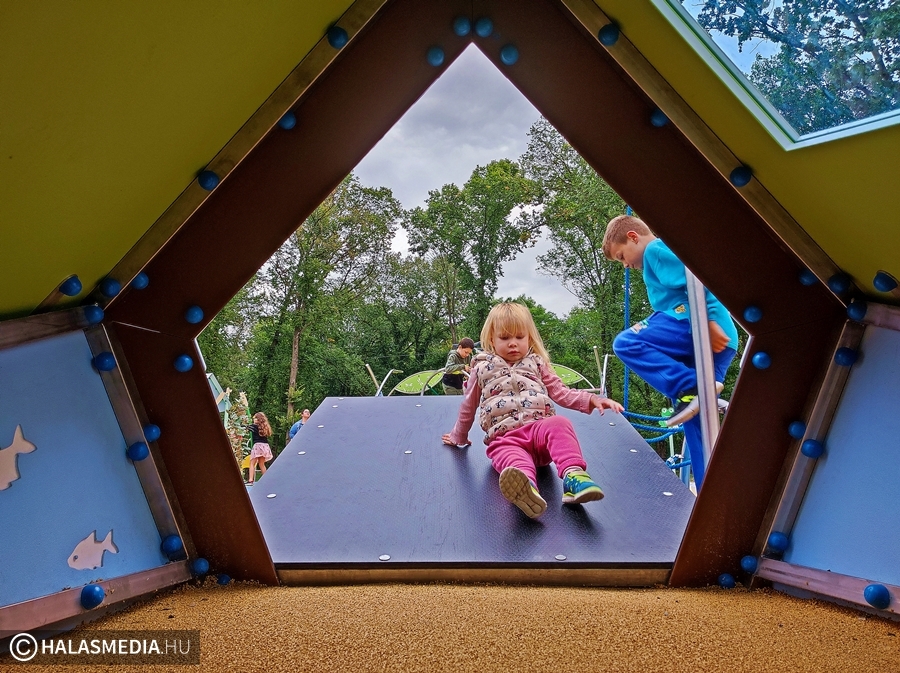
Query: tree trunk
point(292, 380)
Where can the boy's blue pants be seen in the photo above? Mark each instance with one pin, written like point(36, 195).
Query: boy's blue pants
point(660, 350)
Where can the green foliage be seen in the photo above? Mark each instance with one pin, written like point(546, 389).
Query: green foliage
point(835, 61)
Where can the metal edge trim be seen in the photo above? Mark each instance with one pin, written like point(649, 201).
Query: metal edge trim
point(826, 584)
point(46, 611)
point(40, 326)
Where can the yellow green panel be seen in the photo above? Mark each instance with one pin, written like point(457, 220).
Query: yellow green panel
point(842, 192)
point(108, 111)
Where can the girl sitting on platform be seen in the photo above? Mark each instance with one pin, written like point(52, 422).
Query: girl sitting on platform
point(513, 387)
point(260, 453)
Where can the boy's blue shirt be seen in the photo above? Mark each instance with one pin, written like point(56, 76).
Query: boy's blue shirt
point(667, 289)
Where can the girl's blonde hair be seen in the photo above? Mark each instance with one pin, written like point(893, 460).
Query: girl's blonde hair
point(262, 424)
point(512, 318)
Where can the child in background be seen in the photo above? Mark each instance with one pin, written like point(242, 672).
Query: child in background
point(660, 349)
point(260, 453)
point(513, 387)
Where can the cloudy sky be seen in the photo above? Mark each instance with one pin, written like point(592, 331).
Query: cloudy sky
point(470, 116)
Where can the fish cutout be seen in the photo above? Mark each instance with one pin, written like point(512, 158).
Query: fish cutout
point(9, 470)
point(88, 553)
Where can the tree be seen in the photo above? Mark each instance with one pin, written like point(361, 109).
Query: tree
point(473, 230)
point(836, 61)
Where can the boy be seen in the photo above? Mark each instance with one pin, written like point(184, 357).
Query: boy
point(459, 359)
point(660, 349)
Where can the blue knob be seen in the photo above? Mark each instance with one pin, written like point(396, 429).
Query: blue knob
point(138, 451)
point(856, 310)
point(194, 314)
point(761, 360)
point(288, 121)
point(71, 286)
point(140, 281)
point(93, 314)
point(726, 581)
point(878, 596)
point(435, 56)
point(884, 282)
point(110, 287)
point(223, 579)
point(484, 27)
point(509, 54)
point(658, 118)
point(462, 26)
point(808, 278)
point(740, 176)
point(753, 314)
point(208, 180)
point(200, 566)
point(845, 357)
point(105, 361)
point(91, 596)
point(184, 363)
point(172, 545)
point(797, 429)
point(812, 448)
point(839, 283)
point(749, 564)
point(152, 432)
point(778, 541)
point(337, 37)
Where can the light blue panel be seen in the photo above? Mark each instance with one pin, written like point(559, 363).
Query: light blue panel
point(77, 480)
point(848, 522)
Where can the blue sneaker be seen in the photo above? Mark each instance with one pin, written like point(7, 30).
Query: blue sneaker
point(518, 489)
point(578, 488)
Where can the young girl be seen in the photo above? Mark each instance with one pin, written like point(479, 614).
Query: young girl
point(260, 454)
point(512, 385)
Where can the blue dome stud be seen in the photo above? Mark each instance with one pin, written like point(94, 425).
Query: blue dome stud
point(140, 281)
point(200, 566)
point(740, 176)
point(509, 54)
point(845, 357)
point(71, 286)
point(138, 451)
point(104, 362)
point(808, 278)
point(172, 546)
point(608, 35)
point(884, 282)
point(797, 429)
point(194, 314)
point(337, 37)
point(839, 283)
point(658, 118)
point(761, 360)
point(462, 26)
point(726, 581)
point(778, 541)
point(435, 56)
point(93, 314)
point(223, 579)
point(749, 564)
point(878, 596)
point(812, 448)
point(753, 314)
point(288, 121)
point(856, 310)
point(184, 363)
point(152, 432)
point(110, 287)
point(208, 180)
point(91, 596)
point(484, 27)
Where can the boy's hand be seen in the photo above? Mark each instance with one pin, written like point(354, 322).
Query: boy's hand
point(449, 442)
point(602, 403)
point(718, 340)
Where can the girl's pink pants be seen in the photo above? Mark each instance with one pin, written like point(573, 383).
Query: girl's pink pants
point(549, 440)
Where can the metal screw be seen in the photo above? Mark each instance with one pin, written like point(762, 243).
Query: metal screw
point(560, 557)
point(302, 453)
point(271, 495)
point(384, 557)
point(407, 452)
point(666, 493)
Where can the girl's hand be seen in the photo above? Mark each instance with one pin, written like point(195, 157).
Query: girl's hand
point(446, 439)
point(718, 340)
point(602, 403)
